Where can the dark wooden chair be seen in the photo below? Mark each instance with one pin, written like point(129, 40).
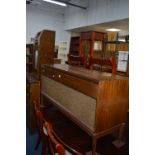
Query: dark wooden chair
point(54, 145)
point(42, 136)
point(104, 65)
point(57, 145)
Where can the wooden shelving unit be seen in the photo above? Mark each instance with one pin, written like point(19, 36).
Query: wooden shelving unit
point(62, 51)
point(29, 58)
point(74, 46)
point(117, 49)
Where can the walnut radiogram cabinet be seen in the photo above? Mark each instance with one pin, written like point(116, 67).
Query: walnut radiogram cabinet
point(97, 102)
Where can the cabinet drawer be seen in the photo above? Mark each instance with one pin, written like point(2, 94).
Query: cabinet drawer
point(86, 87)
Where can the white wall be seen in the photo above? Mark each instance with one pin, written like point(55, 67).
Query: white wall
point(38, 19)
point(60, 19)
point(98, 11)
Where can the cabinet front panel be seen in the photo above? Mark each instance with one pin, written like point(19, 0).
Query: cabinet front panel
point(81, 106)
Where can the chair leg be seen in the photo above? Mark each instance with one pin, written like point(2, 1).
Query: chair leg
point(38, 142)
point(43, 148)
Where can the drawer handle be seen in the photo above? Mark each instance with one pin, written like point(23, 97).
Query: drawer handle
point(53, 76)
point(59, 76)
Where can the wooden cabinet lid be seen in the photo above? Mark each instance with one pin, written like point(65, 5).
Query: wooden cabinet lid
point(86, 74)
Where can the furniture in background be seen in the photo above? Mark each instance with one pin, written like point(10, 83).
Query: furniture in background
point(96, 101)
point(123, 63)
point(29, 58)
point(56, 59)
point(120, 51)
point(75, 60)
point(32, 94)
point(97, 49)
point(115, 48)
point(44, 44)
point(92, 46)
point(74, 57)
point(62, 51)
point(74, 46)
point(56, 51)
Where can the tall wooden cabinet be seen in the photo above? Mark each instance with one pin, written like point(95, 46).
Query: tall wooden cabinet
point(74, 46)
point(92, 46)
point(44, 44)
point(41, 53)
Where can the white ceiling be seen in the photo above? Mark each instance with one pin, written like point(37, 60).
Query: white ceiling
point(123, 24)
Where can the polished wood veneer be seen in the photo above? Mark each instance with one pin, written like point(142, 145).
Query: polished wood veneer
point(96, 102)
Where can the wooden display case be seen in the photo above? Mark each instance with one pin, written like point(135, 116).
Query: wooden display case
point(92, 46)
point(38, 53)
point(62, 51)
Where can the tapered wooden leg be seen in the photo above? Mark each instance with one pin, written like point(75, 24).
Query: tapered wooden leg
point(94, 145)
point(38, 142)
point(120, 141)
point(93, 151)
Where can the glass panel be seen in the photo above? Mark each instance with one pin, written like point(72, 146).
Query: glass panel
point(36, 60)
point(98, 45)
point(122, 61)
point(98, 53)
